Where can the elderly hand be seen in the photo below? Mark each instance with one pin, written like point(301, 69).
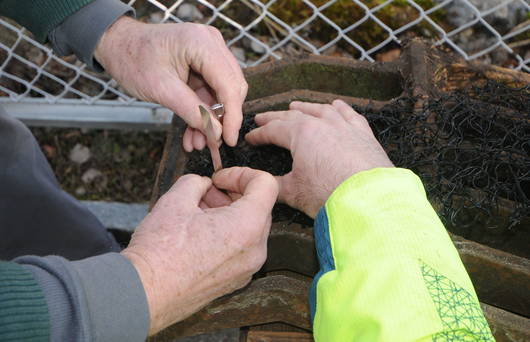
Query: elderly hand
point(198, 244)
point(329, 143)
point(178, 66)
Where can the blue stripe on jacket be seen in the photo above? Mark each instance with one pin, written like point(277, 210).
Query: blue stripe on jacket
point(324, 254)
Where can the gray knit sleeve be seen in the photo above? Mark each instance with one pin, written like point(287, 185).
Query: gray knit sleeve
point(80, 33)
point(95, 299)
point(23, 311)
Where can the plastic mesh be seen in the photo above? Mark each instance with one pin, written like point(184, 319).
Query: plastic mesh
point(470, 148)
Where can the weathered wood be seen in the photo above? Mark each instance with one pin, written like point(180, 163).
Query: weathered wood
point(460, 76)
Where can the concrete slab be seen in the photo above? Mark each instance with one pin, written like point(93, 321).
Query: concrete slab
point(115, 215)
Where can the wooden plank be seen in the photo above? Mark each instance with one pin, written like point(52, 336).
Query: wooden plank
point(460, 76)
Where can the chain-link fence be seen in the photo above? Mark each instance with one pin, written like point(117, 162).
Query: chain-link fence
point(492, 31)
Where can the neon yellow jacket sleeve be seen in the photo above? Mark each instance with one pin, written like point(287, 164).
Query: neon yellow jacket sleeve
point(389, 271)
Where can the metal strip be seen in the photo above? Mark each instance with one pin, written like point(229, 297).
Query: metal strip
point(104, 114)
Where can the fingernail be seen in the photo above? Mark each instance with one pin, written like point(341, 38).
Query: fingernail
point(218, 173)
point(232, 142)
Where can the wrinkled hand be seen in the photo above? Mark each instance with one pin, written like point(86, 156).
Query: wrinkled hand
point(198, 244)
point(178, 66)
point(329, 143)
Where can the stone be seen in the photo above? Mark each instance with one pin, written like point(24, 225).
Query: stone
point(156, 17)
point(238, 53)
point(460, 13)
point(115, 215)
point(189, 12)
point(80, 191)
point(257, 47)
point(478, 37)
point(80, 154)
point(90, 175)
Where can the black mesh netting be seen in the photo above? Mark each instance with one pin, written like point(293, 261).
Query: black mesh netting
point(471, 149)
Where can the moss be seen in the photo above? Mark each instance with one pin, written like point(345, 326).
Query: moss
point(345, 13)
point(358, 82)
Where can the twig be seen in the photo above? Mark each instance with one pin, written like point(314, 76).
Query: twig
point(519, 44)
point(273, 26)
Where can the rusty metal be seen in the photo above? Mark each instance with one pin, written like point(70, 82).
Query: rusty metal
point(278, 336)
point(284, 299)
point(291, 247)
point(265, 300)
point(501, 279)
point(505, 326)
point(173, 160)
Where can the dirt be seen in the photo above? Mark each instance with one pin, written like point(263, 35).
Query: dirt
point(127, 162)
point(272, 159)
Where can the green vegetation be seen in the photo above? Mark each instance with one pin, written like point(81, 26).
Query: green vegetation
point(345, 13)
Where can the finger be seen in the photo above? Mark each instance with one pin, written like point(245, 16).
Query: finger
point(215, 198)
point(181, 99)
point(314, 109)
point(199, 140)
point(188, 191)
point(233, 116)
point(201, 88)
point(191, 112)
point(344, 109)
point(266, 232)
point(187, 142)
point(205, 95)
point(229, 85)
point(284, 188)
point(263, 118)
point(259, 188)
point(195, 81)
point(232, 127)
point(226, 51)
point(275, 132)
point(234, 196)
point(203, 205)
point(350, 115)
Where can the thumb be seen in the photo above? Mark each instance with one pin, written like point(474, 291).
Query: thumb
point(259, 189)
point(183, 101)
point(188, 191)
point(285, 194)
